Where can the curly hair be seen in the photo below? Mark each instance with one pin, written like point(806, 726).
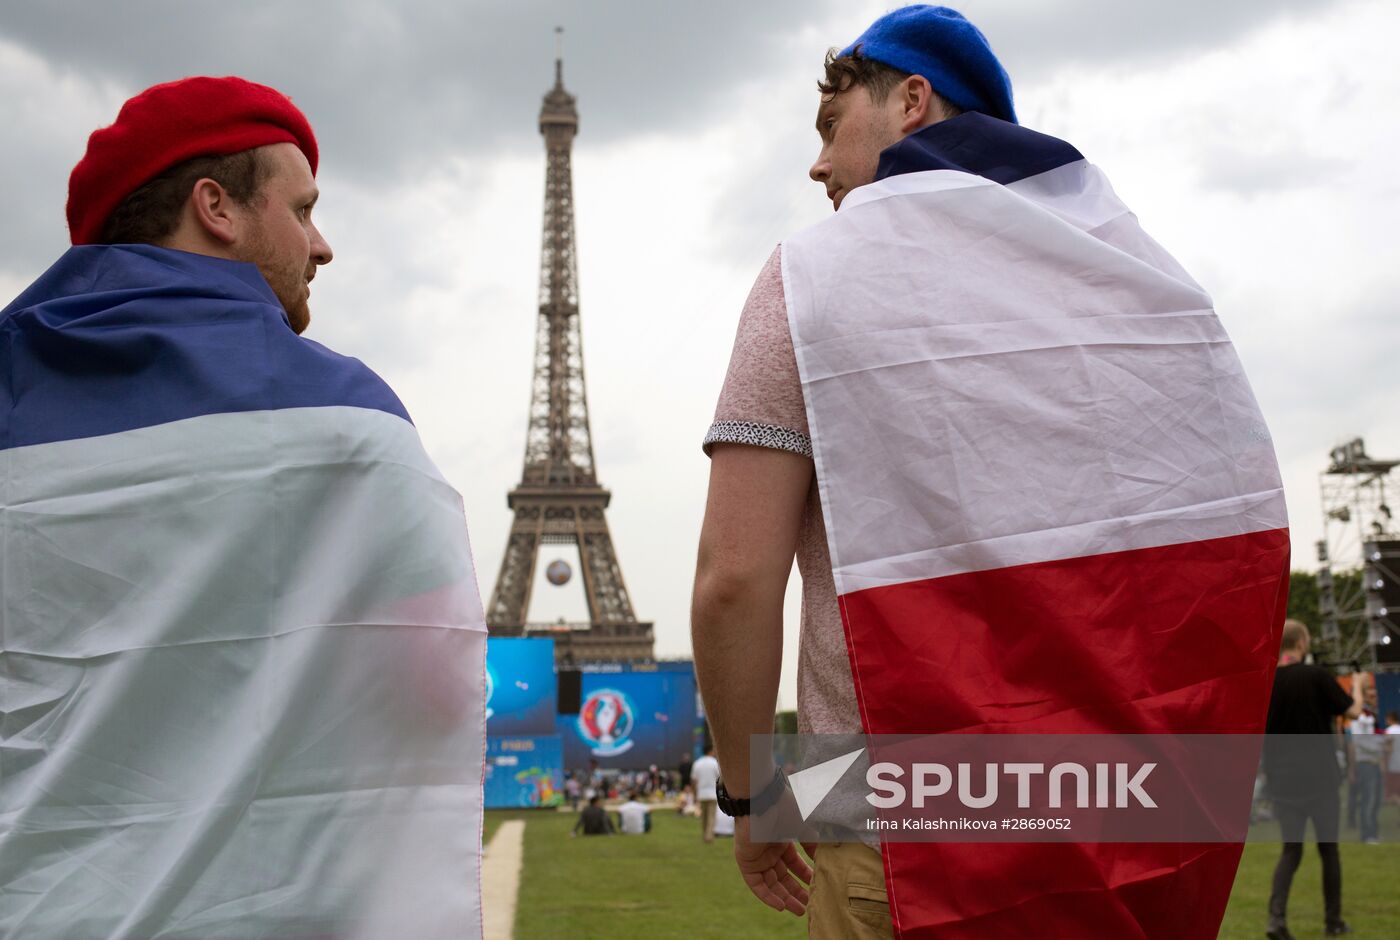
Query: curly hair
point(877, 78)
point(150, 214)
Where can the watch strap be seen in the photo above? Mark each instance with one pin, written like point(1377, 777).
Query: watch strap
point(764, 801)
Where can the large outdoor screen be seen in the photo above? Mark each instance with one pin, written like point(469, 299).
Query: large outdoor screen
point(520, 687)
point(632, 717)
point(523, 772)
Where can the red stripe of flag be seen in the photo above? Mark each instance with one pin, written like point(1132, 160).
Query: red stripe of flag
point(1180, 638)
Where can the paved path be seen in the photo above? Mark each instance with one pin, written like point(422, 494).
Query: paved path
point(500, 879)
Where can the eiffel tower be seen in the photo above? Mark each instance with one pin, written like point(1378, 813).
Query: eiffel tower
point(559, 499)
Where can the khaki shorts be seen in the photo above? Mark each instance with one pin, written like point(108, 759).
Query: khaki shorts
point(848, 894)
point(707, 820)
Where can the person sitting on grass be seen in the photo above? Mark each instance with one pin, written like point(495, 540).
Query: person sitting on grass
point(634, 816)
point(593, 820)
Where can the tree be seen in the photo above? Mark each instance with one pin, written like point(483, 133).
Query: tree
point(1350, 598)
point(1302, 598)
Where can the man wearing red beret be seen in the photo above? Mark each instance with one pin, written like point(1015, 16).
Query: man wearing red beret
point(215, 166)
point(242, 647)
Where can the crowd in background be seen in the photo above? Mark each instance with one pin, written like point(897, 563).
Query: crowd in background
point(634, 794)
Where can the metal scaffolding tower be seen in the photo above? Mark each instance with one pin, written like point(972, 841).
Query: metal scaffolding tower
point(1358, 527)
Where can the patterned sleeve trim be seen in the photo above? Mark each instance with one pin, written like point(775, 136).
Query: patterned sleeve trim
point(758, 435)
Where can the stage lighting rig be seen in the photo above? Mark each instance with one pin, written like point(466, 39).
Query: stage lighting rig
point(1357, 524)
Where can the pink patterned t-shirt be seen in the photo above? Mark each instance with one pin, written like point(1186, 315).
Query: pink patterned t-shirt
point(761, 405)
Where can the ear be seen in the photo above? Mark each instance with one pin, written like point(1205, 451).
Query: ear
point(214, 211)
point(917, 104)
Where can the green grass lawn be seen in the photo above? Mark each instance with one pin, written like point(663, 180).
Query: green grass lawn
point(1370, 886)
point(1370, 893)
point(668, 883)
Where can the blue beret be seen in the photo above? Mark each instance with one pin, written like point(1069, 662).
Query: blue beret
point(942, 46)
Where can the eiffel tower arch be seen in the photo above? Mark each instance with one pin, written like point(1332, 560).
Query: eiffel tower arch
point(559, 499)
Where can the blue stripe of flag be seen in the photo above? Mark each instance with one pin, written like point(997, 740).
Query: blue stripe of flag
point(976, 143)
point(113, 338)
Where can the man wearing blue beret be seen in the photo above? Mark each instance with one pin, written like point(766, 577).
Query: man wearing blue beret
point(1025, 482)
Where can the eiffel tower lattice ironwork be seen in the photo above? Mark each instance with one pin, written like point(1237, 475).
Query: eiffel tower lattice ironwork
point(559, 499)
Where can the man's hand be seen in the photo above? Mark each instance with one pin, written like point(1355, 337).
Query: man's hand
point(774, 871)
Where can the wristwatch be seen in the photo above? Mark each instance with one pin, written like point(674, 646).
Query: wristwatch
point(761, 803)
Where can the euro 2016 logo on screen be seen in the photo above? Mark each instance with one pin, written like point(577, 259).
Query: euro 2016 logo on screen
point(605, 722)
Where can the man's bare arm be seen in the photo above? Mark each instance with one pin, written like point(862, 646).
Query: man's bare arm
point(747, 544)
point(752, 520)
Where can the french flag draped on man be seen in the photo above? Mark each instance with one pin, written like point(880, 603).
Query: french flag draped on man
point(241, 639)
point(1051, 503)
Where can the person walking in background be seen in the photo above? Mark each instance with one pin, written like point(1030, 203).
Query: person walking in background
point(1303, 775)
point(1392, 766)
point(1367, 743)
point(573, 790)
point(705, 776)
point(1353, 803)
point(683, 770)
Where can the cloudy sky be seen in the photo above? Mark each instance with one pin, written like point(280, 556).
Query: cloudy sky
point(1256, 139)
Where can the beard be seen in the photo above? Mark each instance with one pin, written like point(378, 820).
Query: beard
point(286, 276)
point(298, 312)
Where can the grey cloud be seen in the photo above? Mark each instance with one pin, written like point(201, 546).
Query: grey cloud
point(396, 84)
point(32, 231)
point(1252, 173)
point(1035, 38)
point(1340, 363)
point(393, 86)
point(397, 88)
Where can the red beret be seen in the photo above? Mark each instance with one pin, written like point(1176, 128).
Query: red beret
point(169, 124)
